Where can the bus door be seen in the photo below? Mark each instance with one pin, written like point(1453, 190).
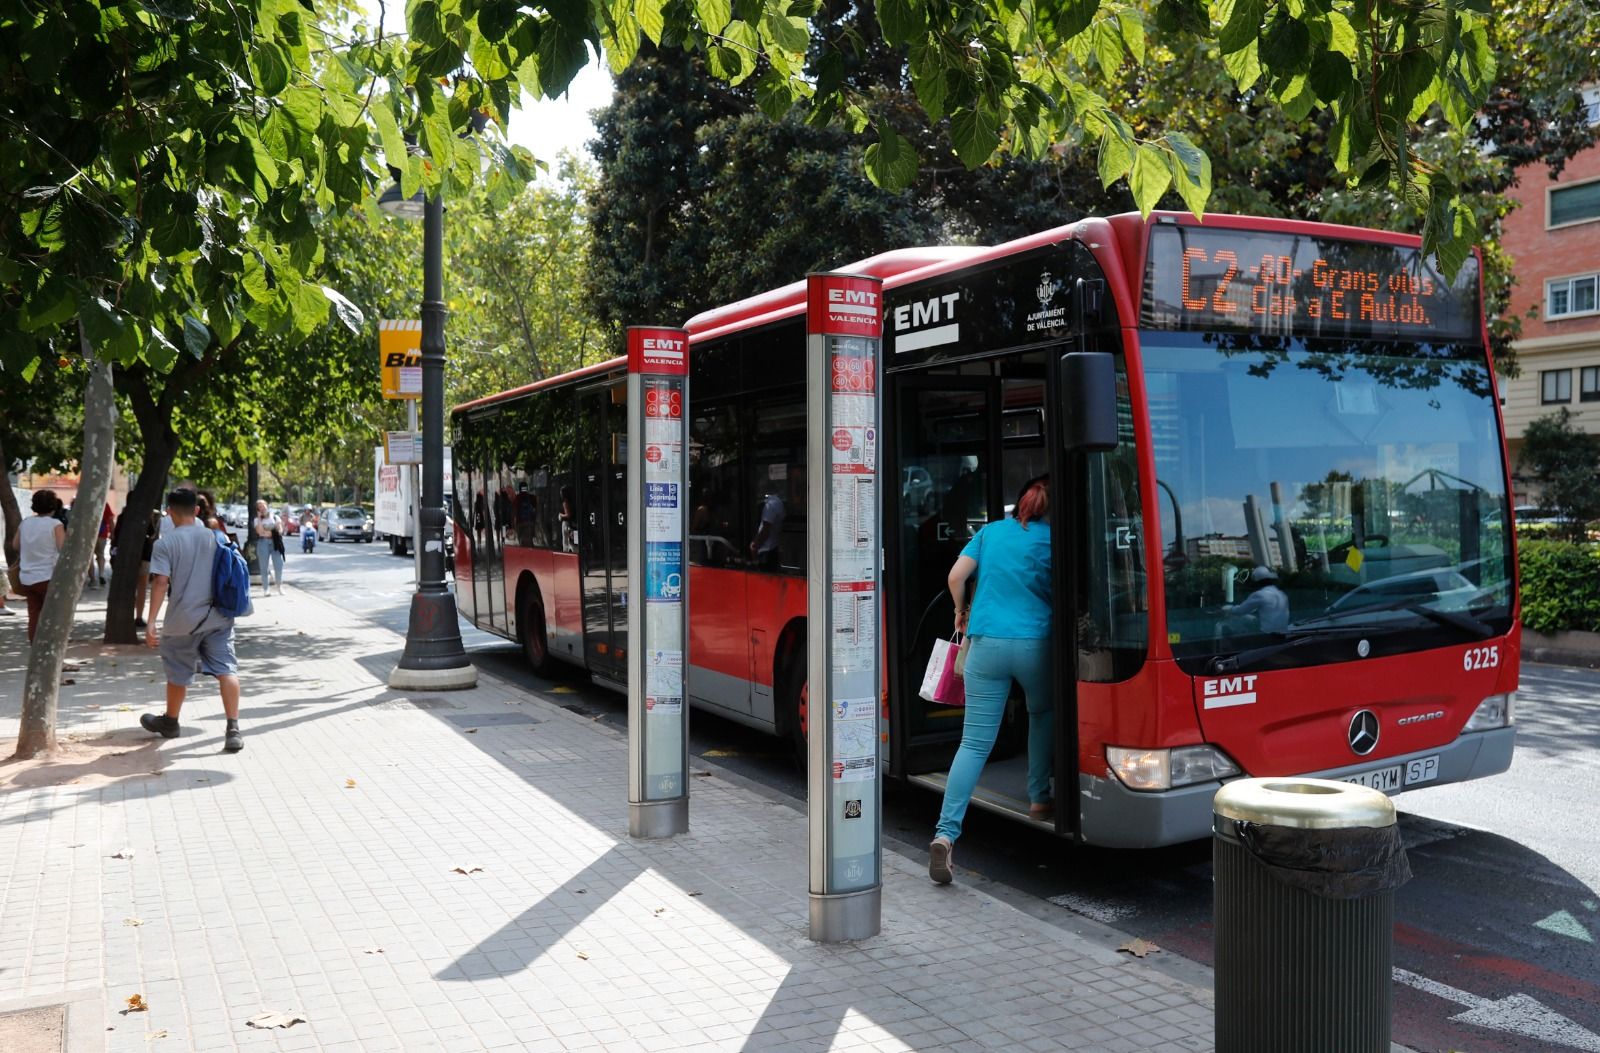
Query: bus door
point(943, 463)
point(964, 447)
point(602, 530)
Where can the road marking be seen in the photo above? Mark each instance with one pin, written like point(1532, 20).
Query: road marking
point(1564, 924)
point(1515, 1014)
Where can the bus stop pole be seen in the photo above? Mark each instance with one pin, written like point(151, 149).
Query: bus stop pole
point(658, 583)
point(844, 331)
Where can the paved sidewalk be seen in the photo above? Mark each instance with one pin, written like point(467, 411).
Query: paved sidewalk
point(314, 873)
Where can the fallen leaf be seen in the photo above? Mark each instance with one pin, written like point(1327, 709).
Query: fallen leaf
point(349, 784)
point(127, 709)
point(584, 955)
point(472, 731)
point(1139, 947)
point(136, 1004)
point(203, 779)
point(660, 911)
point(697, 892)
point(580, 891)
point(94, 705)
point(374, 950)
point(70, 667)
point(466, 868)
point(269, 1020)
point(67, 680)
point(156, 1034)
point(133, 923)
point(125, 853)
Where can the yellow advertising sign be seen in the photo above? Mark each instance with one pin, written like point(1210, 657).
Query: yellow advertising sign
point(400, 358)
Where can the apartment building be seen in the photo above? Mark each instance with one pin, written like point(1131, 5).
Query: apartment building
point(1555, 239)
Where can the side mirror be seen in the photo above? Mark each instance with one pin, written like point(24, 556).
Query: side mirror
point(1088, 401)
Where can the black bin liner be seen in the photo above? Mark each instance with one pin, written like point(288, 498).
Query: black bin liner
point(1346, 863)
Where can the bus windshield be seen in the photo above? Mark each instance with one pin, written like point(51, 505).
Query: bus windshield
point(1316, 492)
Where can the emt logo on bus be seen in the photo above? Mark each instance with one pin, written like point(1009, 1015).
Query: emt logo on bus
point(1229, 691)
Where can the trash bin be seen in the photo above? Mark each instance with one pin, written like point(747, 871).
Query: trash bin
point(1305, 872)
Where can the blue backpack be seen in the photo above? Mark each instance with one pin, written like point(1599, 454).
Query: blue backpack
point(230, 580)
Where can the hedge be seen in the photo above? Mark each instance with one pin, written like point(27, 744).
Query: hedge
point(1560, 586)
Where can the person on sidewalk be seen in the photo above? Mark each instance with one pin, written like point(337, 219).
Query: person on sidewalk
point(141, 581)
point(40, 538)
point(8, 570)
point(108, 519)
point(1009, 624)
point(269, 549)
point(193, 632)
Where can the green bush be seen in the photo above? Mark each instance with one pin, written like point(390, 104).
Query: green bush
point(1560, 586)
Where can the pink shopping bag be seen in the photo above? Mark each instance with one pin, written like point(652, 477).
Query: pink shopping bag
point(939, 681)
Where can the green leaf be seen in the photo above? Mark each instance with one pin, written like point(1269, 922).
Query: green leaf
point(308, 307)
point(651, 19)
point(1116, 157)
point(622, 46)
point(1342, 36)
point(53, 304)
point(789, 34)
point(1192, 173)
point(1073, 16)
point(774, 95)
point(272, 67)
point(394, 144)
point(1107, 48)
point(1241, 25)
point(1149, 178)
point(1132, 33)
point(1330, 75)
point(743, 34)
point(254, 279)
point(975, 135)
point(890, 162)
point(1244, 66)
point(159, 351)
point(902, 21)
point(349, 314)
point(1286, 47)
point(714, 14)
point(196, 337)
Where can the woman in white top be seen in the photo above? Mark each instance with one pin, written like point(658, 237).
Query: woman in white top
point(40, 540)
point(269, 549)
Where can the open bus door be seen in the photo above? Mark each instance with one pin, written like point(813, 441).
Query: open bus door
point(963, 441)
point(602, 530)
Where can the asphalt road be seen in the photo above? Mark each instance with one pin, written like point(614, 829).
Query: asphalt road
point(1495, 939)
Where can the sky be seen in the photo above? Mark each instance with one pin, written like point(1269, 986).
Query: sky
point(546, 126)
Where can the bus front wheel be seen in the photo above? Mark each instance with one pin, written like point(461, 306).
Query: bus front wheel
point(795, 699)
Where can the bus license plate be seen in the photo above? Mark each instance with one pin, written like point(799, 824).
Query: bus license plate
point(1381, 779)
point(1423, 769)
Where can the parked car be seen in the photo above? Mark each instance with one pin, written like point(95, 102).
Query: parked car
point(348, 524)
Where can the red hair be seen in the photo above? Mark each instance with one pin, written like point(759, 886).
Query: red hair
point(1033, 504)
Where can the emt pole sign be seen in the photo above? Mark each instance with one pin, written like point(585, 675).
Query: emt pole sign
point(844, 327)
point(658, 574)
point(400, 358)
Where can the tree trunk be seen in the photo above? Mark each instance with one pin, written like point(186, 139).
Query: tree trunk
point(13, 514)
point(160, 448)
point(42, 688)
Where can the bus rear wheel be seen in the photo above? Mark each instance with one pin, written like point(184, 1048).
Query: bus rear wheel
point(795, 699)
point(531, 628)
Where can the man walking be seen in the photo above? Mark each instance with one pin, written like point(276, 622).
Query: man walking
point(194, 633)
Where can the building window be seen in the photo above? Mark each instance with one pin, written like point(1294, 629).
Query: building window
point(1591, 104)
point(1575, 204)
point(1570, 296)
point(1556, 385)
point(1589, 384)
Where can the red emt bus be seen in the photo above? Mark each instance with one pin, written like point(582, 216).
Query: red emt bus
point(1298, 559)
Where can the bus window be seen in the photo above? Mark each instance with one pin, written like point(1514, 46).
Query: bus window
point(715, 486)
point(778, 486)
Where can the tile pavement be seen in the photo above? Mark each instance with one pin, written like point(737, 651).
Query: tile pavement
point(314, 872)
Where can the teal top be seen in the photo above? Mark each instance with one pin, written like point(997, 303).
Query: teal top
point(1013, 597)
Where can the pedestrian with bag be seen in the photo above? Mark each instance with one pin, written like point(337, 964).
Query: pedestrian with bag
point(1008, 622)
point(269, 549)
point(197, 631)
point(40, 538)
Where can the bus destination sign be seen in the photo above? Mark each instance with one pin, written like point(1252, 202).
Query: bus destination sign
point(1284, 284)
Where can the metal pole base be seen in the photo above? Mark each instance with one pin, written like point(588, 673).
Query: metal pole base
point(434, 658)
point(848, 916)
point(652, 820)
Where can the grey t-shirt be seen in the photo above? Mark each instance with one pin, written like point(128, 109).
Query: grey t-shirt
point(185, 554)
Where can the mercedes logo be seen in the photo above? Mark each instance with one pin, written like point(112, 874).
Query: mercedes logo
point(1364, 732)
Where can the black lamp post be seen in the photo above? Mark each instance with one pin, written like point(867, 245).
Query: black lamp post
point(434, 657)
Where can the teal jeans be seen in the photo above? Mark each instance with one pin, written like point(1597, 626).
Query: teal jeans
point(992, 663)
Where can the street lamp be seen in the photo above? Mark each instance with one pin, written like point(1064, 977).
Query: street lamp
point(434, 658)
